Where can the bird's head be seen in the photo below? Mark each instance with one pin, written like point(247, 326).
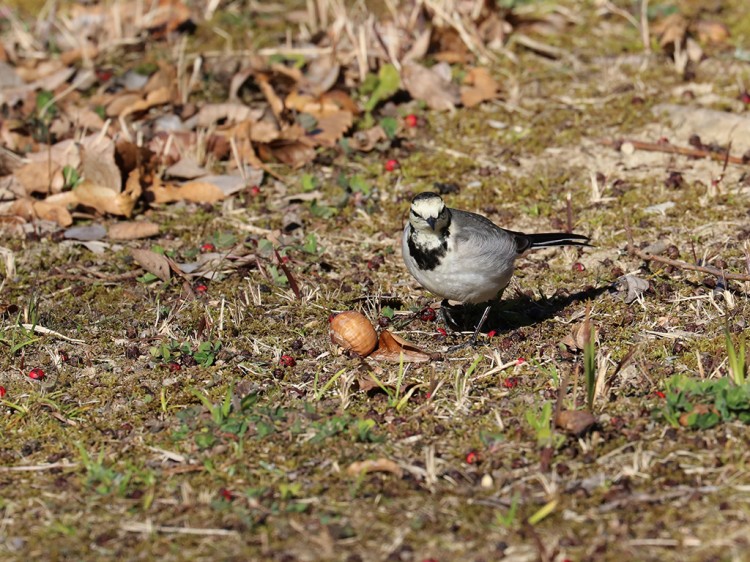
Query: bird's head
point(429, 213)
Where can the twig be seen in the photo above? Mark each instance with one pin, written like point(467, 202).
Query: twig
point(38, 467)
point(690, 267)
point(148, 527)
point(681, 150)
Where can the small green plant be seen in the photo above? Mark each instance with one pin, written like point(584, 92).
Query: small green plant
point(318, 394)
point(311, 245)
point(702, 404)
point(71, 177)
point(507, 520)
point(101, 477)
point(541, 423)
point(736, 358)
point(395, 400)
point(204, 354)
point(21, 334)
point(309, 182)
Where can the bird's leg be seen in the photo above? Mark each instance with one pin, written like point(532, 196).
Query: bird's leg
point(473, 340)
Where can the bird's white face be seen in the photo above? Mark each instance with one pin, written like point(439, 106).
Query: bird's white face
point(429, 214)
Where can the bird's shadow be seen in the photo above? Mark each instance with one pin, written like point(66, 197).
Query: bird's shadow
point(515, 312)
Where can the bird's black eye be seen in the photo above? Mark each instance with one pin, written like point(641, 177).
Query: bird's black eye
point(416, 214)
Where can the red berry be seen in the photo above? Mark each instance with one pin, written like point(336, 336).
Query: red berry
point(520, 361)
point(491, 334)
point(510, 382)
point(174, 367)
point(427, 314)
point(287, 361)
point(201, 288)
point(37, 374)
point(660, 394)
point(578, 266)
point(255, 190)
point(208, 247)
point(411, 120)
point(104, 75)
point(3, 392)
point(745, 97)
point(472, 457)
point(226, 494)
point(442, 332)
point(391, 165)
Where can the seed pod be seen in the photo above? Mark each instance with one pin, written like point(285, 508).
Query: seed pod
point(352, 330)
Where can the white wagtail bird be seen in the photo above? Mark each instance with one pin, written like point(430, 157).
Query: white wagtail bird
point(465, 257)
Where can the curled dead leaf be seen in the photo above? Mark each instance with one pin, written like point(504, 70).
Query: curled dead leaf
point(365, 141)
point(575, 422)
point(103, 200)
point(132, 230)
point(40, 177)
point(478, 86)
point(194, 191)
point(578, 336)
point(392, 348)
point(154, 263)
point(374, 465)
point(429, 85)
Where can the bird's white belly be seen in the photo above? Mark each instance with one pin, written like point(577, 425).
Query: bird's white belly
point(473, 284)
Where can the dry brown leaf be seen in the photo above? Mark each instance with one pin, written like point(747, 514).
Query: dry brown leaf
point(169, 14)
point(294, 153)
point(671, 31)
point(194, 191)
point(575, 422)
point(277, 106)
point(264, 131)
point(154, 263)
point(186, 169)
point(132, 230)
point(306, 103)
point(84, 118)
point(394, 348)
point(478, 86)
point(712, 32)
point(578, 336)
point(40, 177)
point(342, 100)
point(331, 128)
point(321, 74)
point(103, 200)
point(365, 141)
point(98, 162)
point(71, 56)
point(52, 212)
point(427, 85)
point(121, 103)
point(374, 465)
point(159, 96)
point(232, 113)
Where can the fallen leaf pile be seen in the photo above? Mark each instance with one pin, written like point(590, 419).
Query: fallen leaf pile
point(84, 136)
point(85, 139)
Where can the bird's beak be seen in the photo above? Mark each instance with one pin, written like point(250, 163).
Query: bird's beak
point(431, 221)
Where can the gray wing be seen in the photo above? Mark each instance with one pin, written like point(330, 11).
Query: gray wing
point(479, 236)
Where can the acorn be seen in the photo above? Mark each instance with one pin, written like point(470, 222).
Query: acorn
point(352, 330)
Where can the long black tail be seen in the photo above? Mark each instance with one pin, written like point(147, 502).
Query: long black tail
point(547, 239)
